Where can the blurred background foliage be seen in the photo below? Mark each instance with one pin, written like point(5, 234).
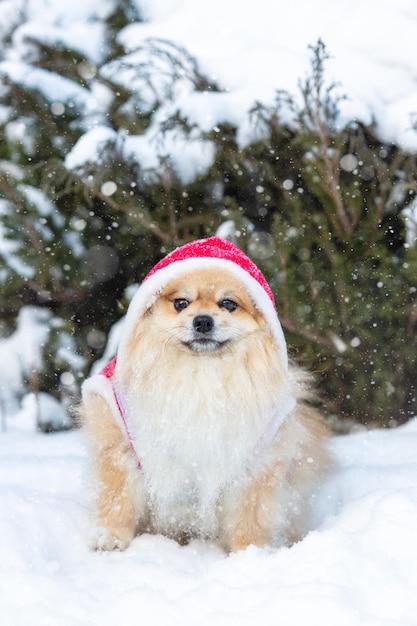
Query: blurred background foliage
point(323, 207)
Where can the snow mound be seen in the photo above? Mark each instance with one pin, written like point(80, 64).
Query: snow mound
point(356, 569)
point(21, 355)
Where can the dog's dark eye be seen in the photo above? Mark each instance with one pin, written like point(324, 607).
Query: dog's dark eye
point(180, 304)
point(229, 305)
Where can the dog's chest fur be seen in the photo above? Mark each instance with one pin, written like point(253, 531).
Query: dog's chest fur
point(196, 434)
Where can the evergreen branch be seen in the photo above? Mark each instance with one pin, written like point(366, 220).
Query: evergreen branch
point(341, 220)
point(285, 290)
point(319, 109)
point(147, 224)
point(40, 286)
point(291, 326)
point(330, 171)
point(166, 184)
point(33, 236)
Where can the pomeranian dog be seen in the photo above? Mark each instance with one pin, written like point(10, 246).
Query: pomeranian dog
point(199, 428)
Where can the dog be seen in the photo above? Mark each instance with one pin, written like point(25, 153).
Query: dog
point(199, 428)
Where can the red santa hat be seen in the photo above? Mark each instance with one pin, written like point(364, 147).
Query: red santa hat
point(212, 253)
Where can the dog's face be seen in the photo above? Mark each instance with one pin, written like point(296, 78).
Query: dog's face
point(205, 311)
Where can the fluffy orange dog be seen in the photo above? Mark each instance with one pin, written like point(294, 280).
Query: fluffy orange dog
point(199, 428)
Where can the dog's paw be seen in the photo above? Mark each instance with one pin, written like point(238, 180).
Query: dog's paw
point(104, 539)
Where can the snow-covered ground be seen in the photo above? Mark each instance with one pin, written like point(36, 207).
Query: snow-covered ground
point(357, 568)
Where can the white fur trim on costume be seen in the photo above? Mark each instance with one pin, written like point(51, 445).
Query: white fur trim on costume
point(152, 286)
point(102, 386)
point(275, 421)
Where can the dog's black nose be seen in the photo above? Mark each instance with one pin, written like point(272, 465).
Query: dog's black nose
point(203, 323)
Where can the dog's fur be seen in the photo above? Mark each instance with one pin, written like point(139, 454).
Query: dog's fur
point(200, 405)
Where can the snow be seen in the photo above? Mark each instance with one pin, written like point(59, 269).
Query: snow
point(189, 156)
point(7, 249)
point(90, 145)
point(250, 50)
point(81, 35)
point(52, 86)
point(357, 568)
point(253, 49)
point(21, 354)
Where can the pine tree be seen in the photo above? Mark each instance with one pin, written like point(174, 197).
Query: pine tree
point(318, 205)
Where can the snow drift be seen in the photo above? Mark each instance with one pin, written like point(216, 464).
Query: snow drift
point(356, 569)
